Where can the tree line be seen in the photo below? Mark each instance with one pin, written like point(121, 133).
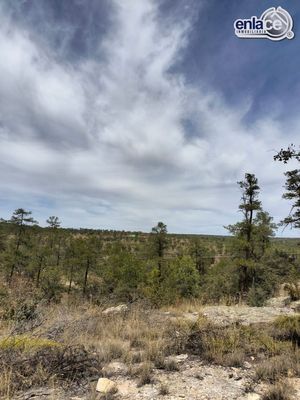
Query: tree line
point(54, 262)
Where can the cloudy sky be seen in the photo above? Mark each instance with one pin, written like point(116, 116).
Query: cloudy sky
point(116, 114)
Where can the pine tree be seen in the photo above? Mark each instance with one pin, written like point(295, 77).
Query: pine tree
point(20, 220)
point(160, 242)
point(252, 234)
point(264, 229)
point(292, 186)
point(249, 206)
point(53, 222)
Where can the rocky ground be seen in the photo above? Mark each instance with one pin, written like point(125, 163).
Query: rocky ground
point(193, 381)
point(226, 315)
point(190, 377)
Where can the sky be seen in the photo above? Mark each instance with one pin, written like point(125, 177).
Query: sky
point(117, 114)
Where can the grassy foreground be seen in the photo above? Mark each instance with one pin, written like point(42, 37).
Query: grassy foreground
point(71, 345)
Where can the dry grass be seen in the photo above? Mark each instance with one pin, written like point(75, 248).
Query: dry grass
point(168, 364)
point(145, 374)
point(184, 306)
point(134, 338)
point(143, 339)
point(288, 327)
point(279, 391)
point(21, 370)
point(164, 389)
point(277, 367)
point(232, 345)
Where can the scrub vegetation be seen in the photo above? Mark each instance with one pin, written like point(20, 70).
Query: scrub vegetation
point(56, 282)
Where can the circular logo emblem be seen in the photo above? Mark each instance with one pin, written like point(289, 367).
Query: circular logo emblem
point(278, 23)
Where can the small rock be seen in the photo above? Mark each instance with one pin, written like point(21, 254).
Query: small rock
point(247, 365)
point(252, 396)
point(282, 301)
point(115, 368)
point(121, 308)
point(295, 305)
point(127, 388)
point(106, 386)
point(181, 358)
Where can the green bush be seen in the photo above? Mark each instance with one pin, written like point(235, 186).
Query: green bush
point(123, 275)
point(256, 297)
point(221, 283)
point(51, 287)
point(179, 279)
point(21, 311)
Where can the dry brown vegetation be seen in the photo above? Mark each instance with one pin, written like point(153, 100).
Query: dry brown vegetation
point(74, 343)
point(279, 391)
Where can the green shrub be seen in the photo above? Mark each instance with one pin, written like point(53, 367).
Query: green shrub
point(124, 275)
point(221, 282)
point(180, 279)
point(21, 310)
point(256, 297)
point(51, 287)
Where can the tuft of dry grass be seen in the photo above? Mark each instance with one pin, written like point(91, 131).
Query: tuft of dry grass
point(20, 370)
point(277, 367)
point(288, 327)
point(279, 391)
point(145, 374)
point(184, 306)
point(231, 345)
point(171, 365)
point(164, 389)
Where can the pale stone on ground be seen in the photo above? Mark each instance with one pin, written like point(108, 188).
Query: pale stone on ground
point(295, 305)
point(115, 368)
point(106, 386)
point(282, 301)
point(226, 315)
point(121, 308)
point(252, 396)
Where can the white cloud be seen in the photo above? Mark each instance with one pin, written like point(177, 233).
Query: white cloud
point(104, 143)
